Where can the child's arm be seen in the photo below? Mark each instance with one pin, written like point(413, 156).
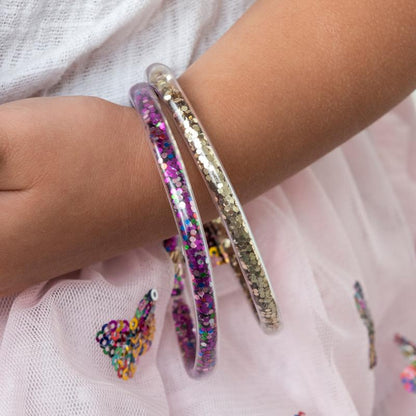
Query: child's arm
point(290, 81)
point(295, 78)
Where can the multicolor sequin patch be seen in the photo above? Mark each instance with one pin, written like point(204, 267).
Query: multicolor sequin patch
point(300, 414)
point(365, 315)
point(222, 252)
point(408, 375)
point(125, 341)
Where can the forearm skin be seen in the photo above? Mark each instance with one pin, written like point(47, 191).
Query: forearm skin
point(290, 81)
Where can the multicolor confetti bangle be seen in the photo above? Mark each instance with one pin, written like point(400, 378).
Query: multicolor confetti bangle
point(190, 228)
point(163, 81)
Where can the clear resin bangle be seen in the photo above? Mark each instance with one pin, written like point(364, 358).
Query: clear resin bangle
point(222, 252)
point(202, 357)
point(163, 81)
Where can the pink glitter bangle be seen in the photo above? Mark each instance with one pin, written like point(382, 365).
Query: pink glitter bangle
point(187, 218)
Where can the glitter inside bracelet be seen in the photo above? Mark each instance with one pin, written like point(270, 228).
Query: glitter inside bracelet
point(124, 342)
point(189, 224)
point(365, 315)
point(221, 252)
point(408, 375)
point(163, 81)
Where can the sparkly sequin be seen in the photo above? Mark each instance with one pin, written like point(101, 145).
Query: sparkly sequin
point(125, 341)
point(408, 378)
point(407, 348)
point(247, 254)
point(365, 315)
point(300, 414)
point(189, 225)
point(408, 375)
point(221, 252)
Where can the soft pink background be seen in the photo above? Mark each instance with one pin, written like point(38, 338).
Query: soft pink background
point(350, 216)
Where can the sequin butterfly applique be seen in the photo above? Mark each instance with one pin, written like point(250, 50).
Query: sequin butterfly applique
point(125, 341)
point(365, 315)
point(408, 375)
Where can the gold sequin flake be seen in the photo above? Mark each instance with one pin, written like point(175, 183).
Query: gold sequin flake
point(252, 268)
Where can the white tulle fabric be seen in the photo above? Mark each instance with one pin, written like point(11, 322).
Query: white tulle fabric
point(350, 216)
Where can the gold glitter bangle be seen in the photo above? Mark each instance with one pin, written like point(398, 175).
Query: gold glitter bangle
point(221, 251)
point(163, 81)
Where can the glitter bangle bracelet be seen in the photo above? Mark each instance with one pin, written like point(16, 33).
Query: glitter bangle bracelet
point(189, 224)
point(163, 81)
point(221, 252)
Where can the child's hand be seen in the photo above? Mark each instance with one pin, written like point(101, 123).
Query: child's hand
point(69, 185)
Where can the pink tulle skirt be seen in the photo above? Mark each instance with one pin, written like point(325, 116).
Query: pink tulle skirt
point(349, 217)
